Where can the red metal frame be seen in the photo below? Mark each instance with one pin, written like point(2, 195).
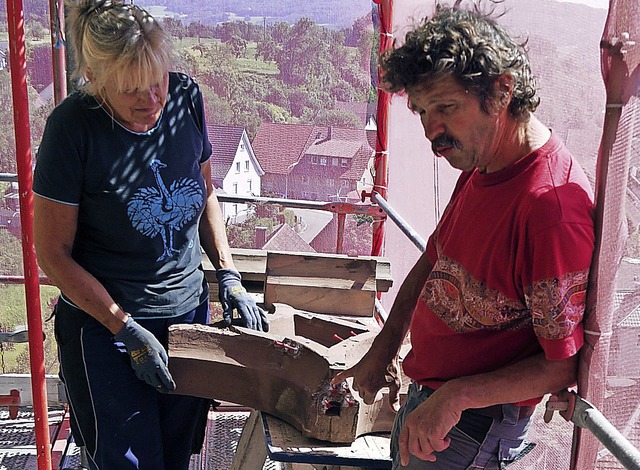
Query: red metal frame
point(12, 401)
point(17, 56)
point(380, 180)
point(58, 59)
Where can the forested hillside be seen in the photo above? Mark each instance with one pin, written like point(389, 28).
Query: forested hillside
point(335, 14)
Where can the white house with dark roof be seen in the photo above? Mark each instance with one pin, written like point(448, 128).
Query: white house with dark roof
point(234, 168)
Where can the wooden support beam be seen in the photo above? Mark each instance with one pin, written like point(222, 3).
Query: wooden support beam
point(336, 285)
point(288, 377)
point(252, 265)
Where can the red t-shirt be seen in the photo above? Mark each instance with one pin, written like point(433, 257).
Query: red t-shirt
point(511, 258)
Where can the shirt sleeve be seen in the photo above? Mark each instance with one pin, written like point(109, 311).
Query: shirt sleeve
point(58, 174)
point(560, 259)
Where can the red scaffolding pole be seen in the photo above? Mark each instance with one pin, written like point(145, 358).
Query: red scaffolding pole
point(58, 59)
point(381, 168)
point(18, 68)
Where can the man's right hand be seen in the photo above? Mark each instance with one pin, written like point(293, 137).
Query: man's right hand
point(369, 378)
point(148, 357)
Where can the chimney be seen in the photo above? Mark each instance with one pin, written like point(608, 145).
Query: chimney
point(261, 237)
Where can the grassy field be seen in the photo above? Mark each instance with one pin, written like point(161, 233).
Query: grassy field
point(14, 357)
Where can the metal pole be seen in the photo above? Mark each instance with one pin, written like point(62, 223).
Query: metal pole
point(18, 61)
point(58, 58)
point(381, 167)
point(588, 417)
point(400, 222)
point(341, 220)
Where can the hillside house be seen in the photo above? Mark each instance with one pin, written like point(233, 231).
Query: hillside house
point(316, 163)
point(234, 168)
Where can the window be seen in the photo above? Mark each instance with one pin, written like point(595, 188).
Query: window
point(344, 163)
point(345, 183)
point(249, 185)
point(237, 167)
point(331, 182)
point(235, 188)
point(323, 160)
point(241, 146)
point(235, 209)
point(246, 165)
point(305, 179)
point(334, 161)
point(314, 159)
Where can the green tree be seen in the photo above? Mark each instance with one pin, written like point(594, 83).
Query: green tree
point(174, 27)
point(337, 118)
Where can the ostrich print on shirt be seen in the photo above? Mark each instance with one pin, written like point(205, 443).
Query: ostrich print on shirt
point(163, 210)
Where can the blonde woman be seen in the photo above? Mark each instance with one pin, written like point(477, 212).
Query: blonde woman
point(124, 203)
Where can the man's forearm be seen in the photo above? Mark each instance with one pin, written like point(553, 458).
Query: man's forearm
point(530, 378)
point(399, 320)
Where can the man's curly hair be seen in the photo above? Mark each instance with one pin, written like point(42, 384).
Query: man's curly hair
point(467, 45)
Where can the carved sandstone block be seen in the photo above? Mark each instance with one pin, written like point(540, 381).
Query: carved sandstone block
point(288, 377)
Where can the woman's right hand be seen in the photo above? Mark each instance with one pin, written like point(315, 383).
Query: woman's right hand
point(148, 357)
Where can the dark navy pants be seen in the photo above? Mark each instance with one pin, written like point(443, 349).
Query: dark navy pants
point(123, 422)
point(477, 441)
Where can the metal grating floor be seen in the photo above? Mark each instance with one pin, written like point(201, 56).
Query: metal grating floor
point(18, 450)
point(221, 440)
point(17, 439)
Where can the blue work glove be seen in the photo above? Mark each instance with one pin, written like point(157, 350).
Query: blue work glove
point(148, 357)
point(233, 295)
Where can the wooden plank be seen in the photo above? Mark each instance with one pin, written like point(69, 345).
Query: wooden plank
point(337, 285)
point(251, 452)
point(252, 265)
point(286, 444)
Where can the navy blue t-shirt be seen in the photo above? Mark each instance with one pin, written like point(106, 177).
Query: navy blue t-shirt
point(139, 196)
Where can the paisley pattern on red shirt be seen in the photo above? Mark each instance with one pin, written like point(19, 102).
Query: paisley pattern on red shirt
point(555, 306)
point(558, 304)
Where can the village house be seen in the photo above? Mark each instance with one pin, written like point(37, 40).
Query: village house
point(316, 163)
point(234, 168)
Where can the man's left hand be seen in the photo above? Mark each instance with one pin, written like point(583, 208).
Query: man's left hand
point(425, 429)
point(234, 295)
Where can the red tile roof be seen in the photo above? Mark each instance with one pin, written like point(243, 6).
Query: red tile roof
point(285, 239)
point(279, 146)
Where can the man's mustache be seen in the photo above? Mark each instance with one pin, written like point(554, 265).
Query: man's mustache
point(444, 141)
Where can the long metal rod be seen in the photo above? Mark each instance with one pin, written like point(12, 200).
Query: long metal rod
point(58, 58)
point(337, 207)
point(8, 177)
point(22, 130)
point(587, 416)
point(400, 222)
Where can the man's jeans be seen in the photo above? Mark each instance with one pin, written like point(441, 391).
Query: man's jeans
point(478, 441)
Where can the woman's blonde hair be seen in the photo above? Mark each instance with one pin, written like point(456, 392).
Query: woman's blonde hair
point(118, 42)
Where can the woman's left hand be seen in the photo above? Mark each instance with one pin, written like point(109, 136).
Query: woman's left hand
point(234, 295)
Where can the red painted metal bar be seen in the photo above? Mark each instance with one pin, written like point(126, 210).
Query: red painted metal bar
point(341, 221)
point(58, 58)
point(12, 401)
point(381, 169)
point(17, 56)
